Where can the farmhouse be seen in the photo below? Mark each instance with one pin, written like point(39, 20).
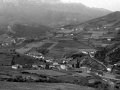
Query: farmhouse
point(17, 66)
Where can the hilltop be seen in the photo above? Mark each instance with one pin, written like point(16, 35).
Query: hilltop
point(110, 20)
point(24, 30)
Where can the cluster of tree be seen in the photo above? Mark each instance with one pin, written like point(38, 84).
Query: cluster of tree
point(114, 57)
point(74, 55)
point(117, 37)
point(109, 54)
point(99, 85)
point(22, 60)
point(29, 40)
point(117, 85)
point(20, 79)
point(101, 55)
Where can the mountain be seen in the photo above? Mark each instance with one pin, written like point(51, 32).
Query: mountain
point(112, 19)
point(52, 13)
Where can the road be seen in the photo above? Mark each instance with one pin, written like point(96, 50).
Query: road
point(92, 57)
point(113, 50)
point(106, 75)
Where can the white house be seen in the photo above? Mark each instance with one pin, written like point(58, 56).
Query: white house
point(16, 66)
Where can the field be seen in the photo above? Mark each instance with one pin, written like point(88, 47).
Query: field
point(71, 44)
point(40, 86)
point(46, 45)
point(65, 31)
point(55, 53)
point(46, 72)
point(66, 46)
point(29, 47)
point(57, 50)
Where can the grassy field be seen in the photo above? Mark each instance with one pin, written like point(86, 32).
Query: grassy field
point(56, 53)
point(46, 72)
point(29, 47)
point(40, 86)
point(71, 44)
point(46, 45)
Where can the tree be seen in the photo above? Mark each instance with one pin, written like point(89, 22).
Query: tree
point(101, 55)
point(13, 61)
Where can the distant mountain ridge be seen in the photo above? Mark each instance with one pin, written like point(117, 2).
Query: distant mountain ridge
point(51, 13)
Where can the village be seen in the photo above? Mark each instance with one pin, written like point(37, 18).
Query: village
point(66, 52)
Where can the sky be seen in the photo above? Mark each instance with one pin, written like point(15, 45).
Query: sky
point(113, 5)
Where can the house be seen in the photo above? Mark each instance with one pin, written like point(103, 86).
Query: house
point(39, 64)
point(80, 28)
point(117, 28)
point(35, 55)
point(55, 63)
point(85, 69)
point(48, 60)
point(8, 41)
point(17, 66)
point(63, 67)
point(35, 66)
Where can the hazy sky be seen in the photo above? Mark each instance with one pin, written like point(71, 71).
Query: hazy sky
point(113, 5)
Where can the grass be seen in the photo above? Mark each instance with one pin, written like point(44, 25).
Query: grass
point(29, 47)
point(40, 86)
point(46, 72)
point(53, 53)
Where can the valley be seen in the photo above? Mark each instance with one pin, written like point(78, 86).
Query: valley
point(62, 56)
point(58, 46)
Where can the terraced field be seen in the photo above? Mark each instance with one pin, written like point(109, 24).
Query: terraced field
point(29, 47)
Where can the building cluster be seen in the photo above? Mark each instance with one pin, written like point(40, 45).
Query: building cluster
point(35, 55)
point(42, 65)
point(62, 32)
point(6, 40)
point(98, 36)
